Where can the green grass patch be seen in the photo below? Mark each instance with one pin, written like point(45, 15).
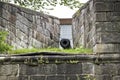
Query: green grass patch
point(70, 51)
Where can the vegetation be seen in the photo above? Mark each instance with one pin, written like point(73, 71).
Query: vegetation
point(44, 4)
point(71, 51)
point(4, 47)
point(89, 77)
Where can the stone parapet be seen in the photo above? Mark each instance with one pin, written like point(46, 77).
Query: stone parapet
point(28, 28)
point(59, 66)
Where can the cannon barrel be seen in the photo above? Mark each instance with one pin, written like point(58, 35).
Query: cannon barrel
point(65, 43)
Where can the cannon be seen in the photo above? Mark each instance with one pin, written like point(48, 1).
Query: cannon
point(65, 43)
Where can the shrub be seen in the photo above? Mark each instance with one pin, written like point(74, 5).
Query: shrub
point(4, 47)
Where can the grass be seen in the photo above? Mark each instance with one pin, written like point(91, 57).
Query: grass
point(70, 51)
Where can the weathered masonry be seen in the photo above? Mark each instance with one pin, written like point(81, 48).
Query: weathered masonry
point(28, 28)
point(54, 66)
point(96, 25)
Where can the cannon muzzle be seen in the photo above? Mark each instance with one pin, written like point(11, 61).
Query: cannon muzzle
point(65, 43)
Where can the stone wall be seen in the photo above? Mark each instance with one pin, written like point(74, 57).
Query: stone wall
point(28, 28)
point(60, 67)
point(83, 26)
point(96, 26)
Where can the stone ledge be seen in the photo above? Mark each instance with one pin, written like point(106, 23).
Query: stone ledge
point(59, 58)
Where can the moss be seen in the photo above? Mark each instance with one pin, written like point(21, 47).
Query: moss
point(30, 62)
point(73, 61)
point(70, 51)
point(89, 77)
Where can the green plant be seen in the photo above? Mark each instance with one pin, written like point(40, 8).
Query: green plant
point(89, 77)
point(4, 47)
point(70, 51)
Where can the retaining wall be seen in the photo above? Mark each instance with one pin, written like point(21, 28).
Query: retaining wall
point(60, 67)
point(28, 28)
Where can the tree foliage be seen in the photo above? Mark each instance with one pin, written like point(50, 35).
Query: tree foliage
point(44, 4)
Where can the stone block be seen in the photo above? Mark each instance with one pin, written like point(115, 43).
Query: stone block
point(107, 26)
point(87, 68)
point(108, 48)
point(108, 37)
point(4, 13)
point(61, 68)
point(1, 9)
point(37, 77)
point(100, 17)
point(22, 70)
point(17, 42)
point(112, 16)
point(90, 35)
point(74, 68)
point(38, 22)
point(8, 70)
point(103, 77)
point(4, 23)
point(42, 69)
point(23, 20)
point(36, 43)
point(91, 7)
point(39, 36)
point(46, 33)
point(105, 69)
point(13, 78)
point(91, 43)
point(11, 36)
point(23, 77)
point(12, 19)
point(32, 70)
point(118, 68)
point(51, 69)
point(117, 6)
point(21, 36)
point(104, 6)
point(3, 78)
point(116, 78)
point(56, 77)
point(11, 28)
point(22, 27)
point(39, 29)
point(0, 12)
point(29, 17)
